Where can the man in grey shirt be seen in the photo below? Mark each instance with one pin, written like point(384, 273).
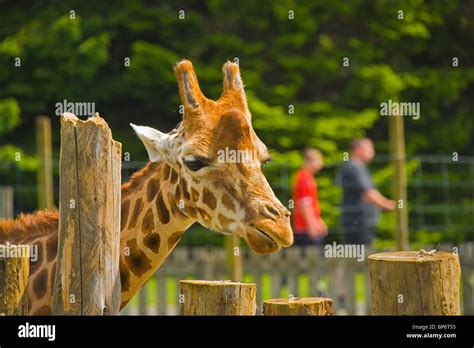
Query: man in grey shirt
point(362, 201)
point(360, 206)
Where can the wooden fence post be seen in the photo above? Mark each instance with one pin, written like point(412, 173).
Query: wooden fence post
point(409, 283)
point(14, 276)
point(45, 170)
point(6, 202)
point(206, 297)
point(234, 258)
point(298, 306)
point(87, 273)
point(397, 149)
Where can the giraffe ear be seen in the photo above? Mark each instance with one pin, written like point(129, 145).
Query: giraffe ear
point(157, 144)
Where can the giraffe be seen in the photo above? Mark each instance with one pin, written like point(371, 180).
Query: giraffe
point(187, 180)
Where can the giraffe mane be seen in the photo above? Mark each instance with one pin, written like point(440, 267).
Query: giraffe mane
point(138, 178)
point(29, 225)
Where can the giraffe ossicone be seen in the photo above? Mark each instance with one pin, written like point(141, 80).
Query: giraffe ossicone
point(186, 181)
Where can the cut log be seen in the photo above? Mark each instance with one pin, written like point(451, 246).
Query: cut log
point(412, 283)
point(298, 306)
point(207, 297)
point(14, 276)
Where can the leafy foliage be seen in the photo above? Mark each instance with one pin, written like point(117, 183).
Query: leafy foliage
point(299, 90)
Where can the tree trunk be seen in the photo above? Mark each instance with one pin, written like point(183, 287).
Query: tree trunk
point(203, 297)
point(298, 306)
point(410, 283)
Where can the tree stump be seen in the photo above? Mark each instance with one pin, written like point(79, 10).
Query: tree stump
point(298, 306)
point(87, 278)
point(207, 297)
point(14, 276)
point(412, 283)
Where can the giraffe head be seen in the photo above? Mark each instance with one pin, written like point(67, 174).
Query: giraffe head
point(218, 158)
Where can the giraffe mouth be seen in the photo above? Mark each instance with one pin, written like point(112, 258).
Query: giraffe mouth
point(265, 236)
point(261, 242)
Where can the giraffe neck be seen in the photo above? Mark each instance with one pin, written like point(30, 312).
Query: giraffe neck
point(152, 222)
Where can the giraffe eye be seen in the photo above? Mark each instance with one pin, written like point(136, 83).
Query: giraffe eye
point(195, 164)
point(266, 160)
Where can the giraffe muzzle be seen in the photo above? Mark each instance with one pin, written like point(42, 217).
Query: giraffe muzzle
point(268, 236)
point(279, 231)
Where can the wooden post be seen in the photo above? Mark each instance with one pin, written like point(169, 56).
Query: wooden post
point(45, 169)
point(234, 258)
point(397, 145)
point(6, 202)
point(87, 273)
point(298, 306)
point(406, 283)
point(206, 297)
point(14, 276)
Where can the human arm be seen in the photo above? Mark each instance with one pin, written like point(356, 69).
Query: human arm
point(373, 196)
point(316, 226)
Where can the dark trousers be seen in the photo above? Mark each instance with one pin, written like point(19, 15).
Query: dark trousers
point(354, 234)
point(302, 239)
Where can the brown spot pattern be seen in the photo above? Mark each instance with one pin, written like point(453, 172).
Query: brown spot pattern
point(40, 284)
point(177, 193)
point(174, 239)
point(162, 210)
point(228, 202)
point(152, 242)
point(34, 266)
point(209, 199)
point(184, 188)
point(203, 215)
point(138, 263)
point(224, 221)
point(52, 247)
point(152, 189)
point(136, 212)
point(125, 208)
point(148, 224)
point(175, 210)
point(194, 194)
point(166, 171)
point(124, 277)
point(174, 177)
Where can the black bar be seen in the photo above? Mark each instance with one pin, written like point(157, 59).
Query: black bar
point(141, 330)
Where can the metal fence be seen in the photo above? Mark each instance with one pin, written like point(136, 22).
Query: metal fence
point(291, 272)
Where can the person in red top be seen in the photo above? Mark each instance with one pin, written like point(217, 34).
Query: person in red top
point(309, 228)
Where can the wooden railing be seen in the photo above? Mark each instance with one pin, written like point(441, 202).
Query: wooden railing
point(291, 272)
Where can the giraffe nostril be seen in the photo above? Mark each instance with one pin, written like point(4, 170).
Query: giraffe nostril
point(269, 211)
point(272, 210)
